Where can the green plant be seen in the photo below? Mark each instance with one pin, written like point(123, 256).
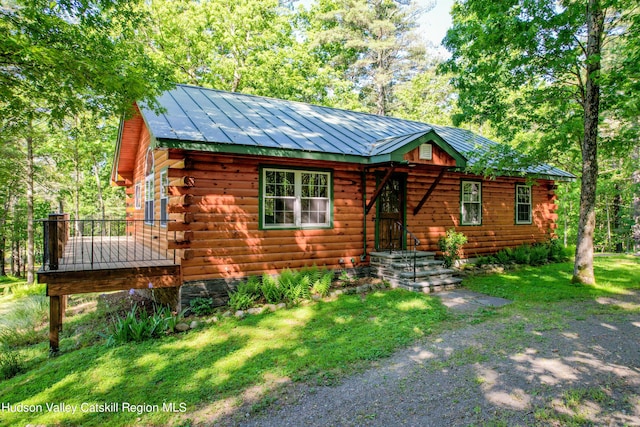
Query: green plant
point(451, 244)
point(201, 306)
point(138, 325)
point(20, 326)
point(270, 289)
point(10, 363)
point(322, 285)
point(241, 300)
point(522, 254)
point(504, 256)
point(539, 254)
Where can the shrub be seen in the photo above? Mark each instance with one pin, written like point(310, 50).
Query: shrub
point(522, 254)
point(485, 260)
point(138, 325)
point(539, 254)
point(10, 364)
point(557, 252)
point(504, 256)
point(201, 306)
point(450, 244)
point(241, 300)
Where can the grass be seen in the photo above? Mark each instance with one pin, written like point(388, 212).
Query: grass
point(222, 364)
point(318, 343)
point(551, 283)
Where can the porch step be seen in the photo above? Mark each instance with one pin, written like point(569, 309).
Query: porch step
point(399, 255)
point(429, 286)
point(397, 268)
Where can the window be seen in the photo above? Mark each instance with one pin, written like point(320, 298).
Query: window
point(523, 204)
point(149, 187)
point(292, 198)
point(164, 197)
point(471, 203)
point(137, 198)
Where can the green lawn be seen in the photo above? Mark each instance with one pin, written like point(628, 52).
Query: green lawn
point(223, 363)
point(317, 342)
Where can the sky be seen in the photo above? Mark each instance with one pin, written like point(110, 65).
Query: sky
point(435, 23)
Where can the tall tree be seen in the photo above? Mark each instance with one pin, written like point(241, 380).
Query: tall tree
point(371, 42)
point(248, 46)
point(536, 67)
point(58, 58)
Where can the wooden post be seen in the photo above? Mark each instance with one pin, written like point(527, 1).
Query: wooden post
point(55, 323)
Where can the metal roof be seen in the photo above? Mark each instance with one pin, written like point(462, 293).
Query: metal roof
point(220, 120)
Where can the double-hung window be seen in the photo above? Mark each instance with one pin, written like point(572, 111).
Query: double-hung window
point(471, 203)
point(523, 204)
point(295, 198)
point(164, 197)
point(149, 189)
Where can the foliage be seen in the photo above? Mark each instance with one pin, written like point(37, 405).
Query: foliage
point(138, 325)
point(451, 245)
point(369, 44)
point(538, 254)
point(21, 325)
point(518, 64)
point(242, 298)
point(10, 363)
point(201, 306)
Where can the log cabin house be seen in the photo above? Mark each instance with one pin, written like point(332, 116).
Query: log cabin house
point(247, 185)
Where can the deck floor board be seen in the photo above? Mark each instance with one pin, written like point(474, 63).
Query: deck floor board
point(107, 253)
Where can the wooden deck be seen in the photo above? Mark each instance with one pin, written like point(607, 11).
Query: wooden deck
point(108, 253)
point(103, 265)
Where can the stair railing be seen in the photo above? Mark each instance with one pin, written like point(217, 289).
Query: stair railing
point(412, 243)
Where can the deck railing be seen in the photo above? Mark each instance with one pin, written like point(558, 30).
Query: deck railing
point(89, 244)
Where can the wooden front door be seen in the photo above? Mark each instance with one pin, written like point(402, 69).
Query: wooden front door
point(391, 214)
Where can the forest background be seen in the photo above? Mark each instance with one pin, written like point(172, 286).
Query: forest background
point(519, 72)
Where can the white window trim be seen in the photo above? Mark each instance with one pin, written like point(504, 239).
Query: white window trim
point(137, 196)
point(530, 204)
point(164, 196)
point(463, 202)
point(297, 206)
point(149, 190)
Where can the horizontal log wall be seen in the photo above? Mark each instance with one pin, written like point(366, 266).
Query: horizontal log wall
point(214, 207)
point(220, 213)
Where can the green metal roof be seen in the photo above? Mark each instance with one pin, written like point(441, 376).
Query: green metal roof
point(203, 119)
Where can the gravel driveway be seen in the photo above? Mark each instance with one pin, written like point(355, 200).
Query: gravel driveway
point(581, 367)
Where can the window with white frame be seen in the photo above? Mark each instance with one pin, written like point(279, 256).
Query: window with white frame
point(471, 203)
point(149, 189)
point(164, 197)
point(137, 196)
point(523, 204)
point(295, 198)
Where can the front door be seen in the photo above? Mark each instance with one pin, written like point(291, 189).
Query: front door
point(391, 214)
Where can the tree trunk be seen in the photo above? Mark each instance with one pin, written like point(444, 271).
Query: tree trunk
point(30, 267)
point(96, 171)
point(583, 267)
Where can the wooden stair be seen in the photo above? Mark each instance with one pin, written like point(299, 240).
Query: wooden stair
point(396, 267)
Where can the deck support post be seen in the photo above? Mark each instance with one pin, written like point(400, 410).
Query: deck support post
point(56, 303)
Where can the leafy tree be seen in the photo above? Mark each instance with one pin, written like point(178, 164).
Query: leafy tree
point(63, 57)
point(538, 71)
point(371, 43)
point(248, 46)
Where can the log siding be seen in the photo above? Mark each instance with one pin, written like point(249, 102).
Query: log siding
point(214, 208)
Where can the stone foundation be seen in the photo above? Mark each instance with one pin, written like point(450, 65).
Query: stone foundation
point(218, 289)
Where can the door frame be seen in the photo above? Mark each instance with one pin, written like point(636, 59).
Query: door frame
point(402, 178)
